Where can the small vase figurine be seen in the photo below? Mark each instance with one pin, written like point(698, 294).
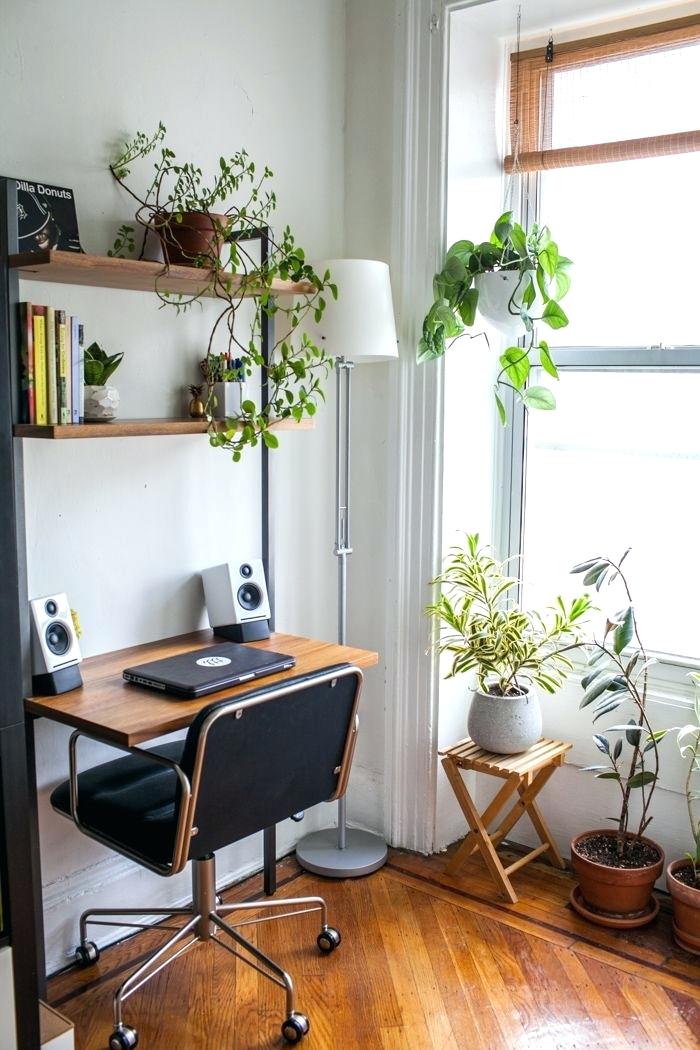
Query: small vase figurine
point(196, 406)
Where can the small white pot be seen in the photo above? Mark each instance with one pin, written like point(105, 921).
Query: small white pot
point(229, 397)
point(101, 404)
point(505, 725)
point(495, 291)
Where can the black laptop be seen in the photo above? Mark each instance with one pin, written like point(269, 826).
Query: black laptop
point(207, 670)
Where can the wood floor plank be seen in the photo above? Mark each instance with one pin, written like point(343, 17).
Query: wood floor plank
point(423, 962)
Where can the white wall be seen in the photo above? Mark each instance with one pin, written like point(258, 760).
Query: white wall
point(124, 525)
point(8, 1031)
point(572, 801)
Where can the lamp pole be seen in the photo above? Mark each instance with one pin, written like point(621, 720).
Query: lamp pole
point(343, 852)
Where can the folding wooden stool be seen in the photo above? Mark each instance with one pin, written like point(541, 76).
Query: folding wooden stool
point(525, 773)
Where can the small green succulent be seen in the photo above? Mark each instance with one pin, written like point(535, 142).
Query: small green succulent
point(99, 366)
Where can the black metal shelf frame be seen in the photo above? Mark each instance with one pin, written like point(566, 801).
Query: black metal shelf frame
point(20, 872)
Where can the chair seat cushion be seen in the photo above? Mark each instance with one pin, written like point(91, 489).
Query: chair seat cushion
point(130, 802)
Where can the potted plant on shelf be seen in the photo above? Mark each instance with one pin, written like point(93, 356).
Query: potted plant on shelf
point(208, 225)
point(683, 875)
point(512, 651)
point(617, 868)
point(514, 280)
point(226, 386)
point(101, 399)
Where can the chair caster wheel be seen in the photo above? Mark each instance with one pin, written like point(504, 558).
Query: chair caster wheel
point(86, 954)
point(124, 1038)
point(295, 1027)
point(328, 940)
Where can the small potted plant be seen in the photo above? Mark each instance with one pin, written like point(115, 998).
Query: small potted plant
point(617, 868)
point(226, 386)
point(101, 399)
point(514, 280)
point(683, 875)
point(512, 651)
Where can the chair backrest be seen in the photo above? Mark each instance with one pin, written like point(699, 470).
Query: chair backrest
point(272, 752)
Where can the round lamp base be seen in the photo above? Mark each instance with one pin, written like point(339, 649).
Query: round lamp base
point(364, 853)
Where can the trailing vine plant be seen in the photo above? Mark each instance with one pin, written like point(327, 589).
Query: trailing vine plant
point(543, 280)
point(237, 202)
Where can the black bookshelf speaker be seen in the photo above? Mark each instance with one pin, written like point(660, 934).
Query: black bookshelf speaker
point(237, 601)
point(55, 648)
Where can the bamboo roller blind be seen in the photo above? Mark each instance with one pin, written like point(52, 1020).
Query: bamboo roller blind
point(532, 93)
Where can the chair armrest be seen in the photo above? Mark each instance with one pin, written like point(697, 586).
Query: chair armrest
point(184, 820)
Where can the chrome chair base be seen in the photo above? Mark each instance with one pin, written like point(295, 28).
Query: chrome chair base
point(206, 923)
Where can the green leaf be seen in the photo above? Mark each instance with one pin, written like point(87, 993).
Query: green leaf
point(516, 364)
point(611, 774)
point(594, 572)
point(548, 258)
point(617, 750)
point(467, 306)
point(518, 239)
point(501, 410)
point(503, 228)
point(546, 360)
point(554, 316)
point(270, 439)
point(623, 633)
point(596, 689)
point(601, 743)
point(641, 779)
point(584, 566)
point(539, 397)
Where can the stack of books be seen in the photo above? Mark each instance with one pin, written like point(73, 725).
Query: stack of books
point(51, 351)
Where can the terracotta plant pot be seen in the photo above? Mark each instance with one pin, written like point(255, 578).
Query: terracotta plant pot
point(183, 242)
point(686, 908)
point(616, 893)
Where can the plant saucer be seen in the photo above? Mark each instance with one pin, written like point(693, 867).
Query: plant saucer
point(614, 922)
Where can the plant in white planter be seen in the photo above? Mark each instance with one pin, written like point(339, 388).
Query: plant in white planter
point(515, 280)
point(101, 399)
point(512, 650)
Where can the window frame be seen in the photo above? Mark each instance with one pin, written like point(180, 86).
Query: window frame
point(669, 679)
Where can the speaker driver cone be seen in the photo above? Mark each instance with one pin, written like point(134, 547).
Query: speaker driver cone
point(249, 596)
point(57, 638)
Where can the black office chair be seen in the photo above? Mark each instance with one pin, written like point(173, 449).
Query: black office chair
point(246, 764)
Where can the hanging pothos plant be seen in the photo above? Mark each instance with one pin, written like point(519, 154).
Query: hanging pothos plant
point(540, 279)
point(208, 225)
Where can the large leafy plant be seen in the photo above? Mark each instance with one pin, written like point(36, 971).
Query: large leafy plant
point(618, 674)
point(542, 281)
point(689, 744)
point(487, 632)
point(238, 202)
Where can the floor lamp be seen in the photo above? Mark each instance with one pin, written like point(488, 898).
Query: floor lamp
point(358, 328)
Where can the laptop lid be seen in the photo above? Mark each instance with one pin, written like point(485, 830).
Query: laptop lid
point(207, 670)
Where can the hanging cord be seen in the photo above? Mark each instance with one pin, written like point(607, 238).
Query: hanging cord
point(515, 134)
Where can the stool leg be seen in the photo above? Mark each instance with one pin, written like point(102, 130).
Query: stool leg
point(527, 794)
point(481, 834)
point(471, 843)
point(544, 833)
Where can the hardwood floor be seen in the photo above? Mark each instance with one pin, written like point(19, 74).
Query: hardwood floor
point(428, 961)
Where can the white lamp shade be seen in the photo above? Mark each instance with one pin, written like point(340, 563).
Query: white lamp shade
point(359, 325)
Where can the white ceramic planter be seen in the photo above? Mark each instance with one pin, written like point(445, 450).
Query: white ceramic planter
point(101, 404)
point(505, 725)
point(495, 291)
point(229, 397)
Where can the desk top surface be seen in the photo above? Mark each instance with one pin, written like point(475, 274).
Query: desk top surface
point(109, 707)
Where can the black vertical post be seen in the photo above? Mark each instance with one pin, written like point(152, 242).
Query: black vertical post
point(17, 782)
point(267, 343)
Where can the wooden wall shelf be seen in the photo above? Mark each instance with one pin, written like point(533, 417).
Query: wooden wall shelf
point(102, 271)
point(132, 428)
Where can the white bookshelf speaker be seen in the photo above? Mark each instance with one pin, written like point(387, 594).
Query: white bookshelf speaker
point(237, 601)
point(55, 648)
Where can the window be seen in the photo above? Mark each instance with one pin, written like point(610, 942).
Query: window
point(607, 137)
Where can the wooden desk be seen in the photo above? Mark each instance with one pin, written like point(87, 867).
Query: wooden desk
point(114, 710)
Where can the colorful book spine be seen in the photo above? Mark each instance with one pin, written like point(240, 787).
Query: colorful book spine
point(27, 363)
point(51, 369)
point(40, 369)
point(62, 369)
point(76, 369)
point(81, 353)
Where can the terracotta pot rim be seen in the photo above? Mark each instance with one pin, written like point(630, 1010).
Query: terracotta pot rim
point(211, 215)
point(678, 865)
point(608, 867)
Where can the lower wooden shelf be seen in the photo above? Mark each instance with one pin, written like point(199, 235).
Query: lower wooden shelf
point(132, 428)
